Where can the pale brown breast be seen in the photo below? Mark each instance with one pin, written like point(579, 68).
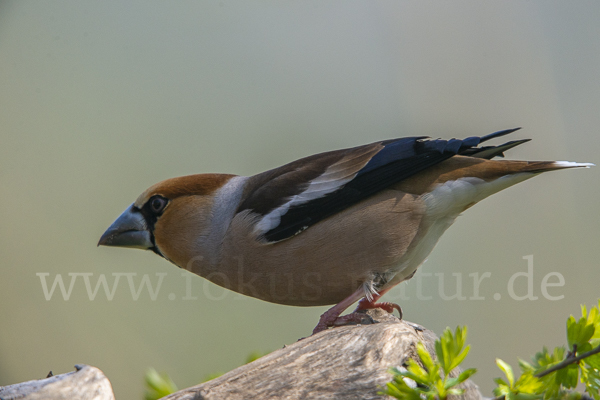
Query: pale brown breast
point(328, 261)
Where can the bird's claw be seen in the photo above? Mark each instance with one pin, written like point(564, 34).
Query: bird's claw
point(365, 304)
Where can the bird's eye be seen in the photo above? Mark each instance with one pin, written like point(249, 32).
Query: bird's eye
point(157, 204)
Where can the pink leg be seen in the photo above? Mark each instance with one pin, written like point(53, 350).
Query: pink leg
point(332, 317)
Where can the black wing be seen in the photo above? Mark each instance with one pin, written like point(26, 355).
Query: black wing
point(362, 172)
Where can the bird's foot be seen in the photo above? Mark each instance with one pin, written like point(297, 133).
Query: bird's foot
point(332, 319)
point(365, 304)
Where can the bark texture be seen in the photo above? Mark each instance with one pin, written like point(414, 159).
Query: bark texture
point(85, 383)
point(348, 362)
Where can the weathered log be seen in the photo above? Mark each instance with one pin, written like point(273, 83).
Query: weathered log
point(348, 362)
point(85, 383)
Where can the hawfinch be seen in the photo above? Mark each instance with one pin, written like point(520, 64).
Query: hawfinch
point(332, 228)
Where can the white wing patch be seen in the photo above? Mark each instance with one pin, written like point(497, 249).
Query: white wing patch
point(332, 179)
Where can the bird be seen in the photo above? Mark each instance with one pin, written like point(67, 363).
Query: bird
point(334, 228)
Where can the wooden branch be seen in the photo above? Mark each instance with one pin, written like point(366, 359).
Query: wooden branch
point(568, 361)
point(85, 383)
point(348, 362)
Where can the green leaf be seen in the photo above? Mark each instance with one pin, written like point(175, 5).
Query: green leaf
point(500, 382)
point(527, 383)
point(450, 382)
point(425, 356)
point(593, 361)
point(439, 351)
point(583, 335)
point(415, 372)
point(527, 396)
point(399, 389)
point(158, 385)
point(466, 374)
point(584, 348)
point(568, 376)
point(459, 358)
point(442, 349)
point(456, 391)
point(525, 366)
point(449, 348)
point(431, 384)
point(591, 378)
point(463, 376)
point(579, 332)
point(593, 318)
point(552, 389)
point(572, 395)
point(507, 371)
point(501, 390)
point(544, 359)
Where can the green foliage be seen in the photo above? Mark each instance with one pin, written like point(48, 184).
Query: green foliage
point(583, 335)
point(449, 349)
point(158, 385)
point(551, 376)
point(526, 387)
point(432, 380)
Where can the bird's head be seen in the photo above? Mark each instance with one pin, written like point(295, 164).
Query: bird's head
point(171, 218)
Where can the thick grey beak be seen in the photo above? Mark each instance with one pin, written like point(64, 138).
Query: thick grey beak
point(129, 230)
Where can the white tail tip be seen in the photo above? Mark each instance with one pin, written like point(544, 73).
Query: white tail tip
point(569, 164)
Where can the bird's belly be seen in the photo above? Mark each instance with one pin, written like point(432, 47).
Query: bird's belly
point(417, 255)
point(330, 260)
point(442, 206)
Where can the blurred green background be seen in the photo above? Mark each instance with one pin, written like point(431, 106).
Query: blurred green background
point(99, 100)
